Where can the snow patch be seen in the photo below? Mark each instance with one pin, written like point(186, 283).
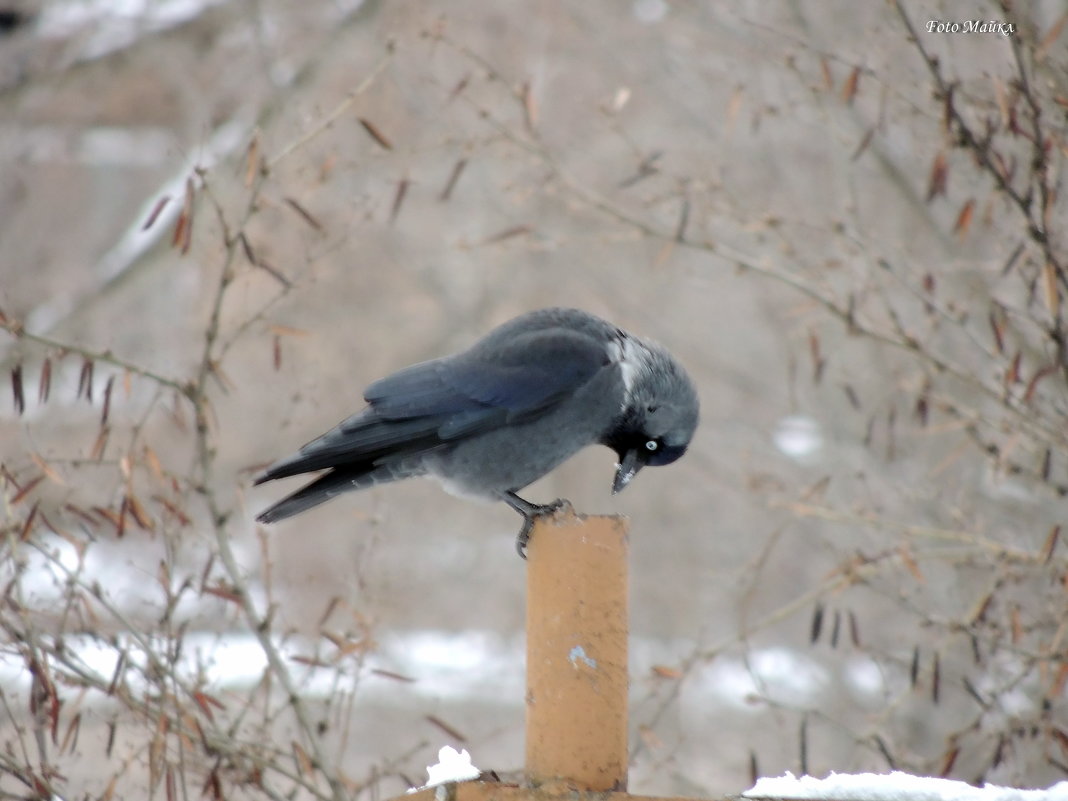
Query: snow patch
point(452, 766)
point(896, 786)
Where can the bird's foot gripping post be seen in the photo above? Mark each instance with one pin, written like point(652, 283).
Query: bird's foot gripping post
point(532, 512)
point(576, 732)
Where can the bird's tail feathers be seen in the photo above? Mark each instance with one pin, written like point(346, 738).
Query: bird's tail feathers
point(357, 443)
point(333, 484)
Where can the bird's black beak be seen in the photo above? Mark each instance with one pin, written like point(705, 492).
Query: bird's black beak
point(630, 463)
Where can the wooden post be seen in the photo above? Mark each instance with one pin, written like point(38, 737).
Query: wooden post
point(577, 652)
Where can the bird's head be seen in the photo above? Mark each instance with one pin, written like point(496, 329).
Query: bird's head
point(658, 419)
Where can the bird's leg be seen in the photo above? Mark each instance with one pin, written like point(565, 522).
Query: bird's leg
point(530, 512)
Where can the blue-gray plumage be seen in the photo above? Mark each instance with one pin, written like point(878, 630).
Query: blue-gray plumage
point(491, 420)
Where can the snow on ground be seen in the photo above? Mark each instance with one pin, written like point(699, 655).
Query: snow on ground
point(894, 786)
point(466, 665)
point(452, 766)
point(105, 26)
point(461, 666)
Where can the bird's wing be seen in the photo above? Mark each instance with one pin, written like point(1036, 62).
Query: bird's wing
point(426, 406)
point(493, 383)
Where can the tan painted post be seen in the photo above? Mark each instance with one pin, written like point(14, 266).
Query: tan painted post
point(577, 652)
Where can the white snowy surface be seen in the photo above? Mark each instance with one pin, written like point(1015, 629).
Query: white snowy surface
point(798, 437)
point(469, 665)
point(461, 666)
point(896, 786)
point(103, 26)
point(452, 766)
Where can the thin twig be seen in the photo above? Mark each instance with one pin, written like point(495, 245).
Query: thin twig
point(104, 356)
point(205, 457)
point(337, 113)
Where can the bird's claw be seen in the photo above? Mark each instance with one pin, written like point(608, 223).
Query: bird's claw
point(532, 513)
point(523, 537)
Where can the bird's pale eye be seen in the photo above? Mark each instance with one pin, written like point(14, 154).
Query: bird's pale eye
point(652, 445)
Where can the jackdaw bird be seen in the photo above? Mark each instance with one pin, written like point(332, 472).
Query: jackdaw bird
point(500, 415)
